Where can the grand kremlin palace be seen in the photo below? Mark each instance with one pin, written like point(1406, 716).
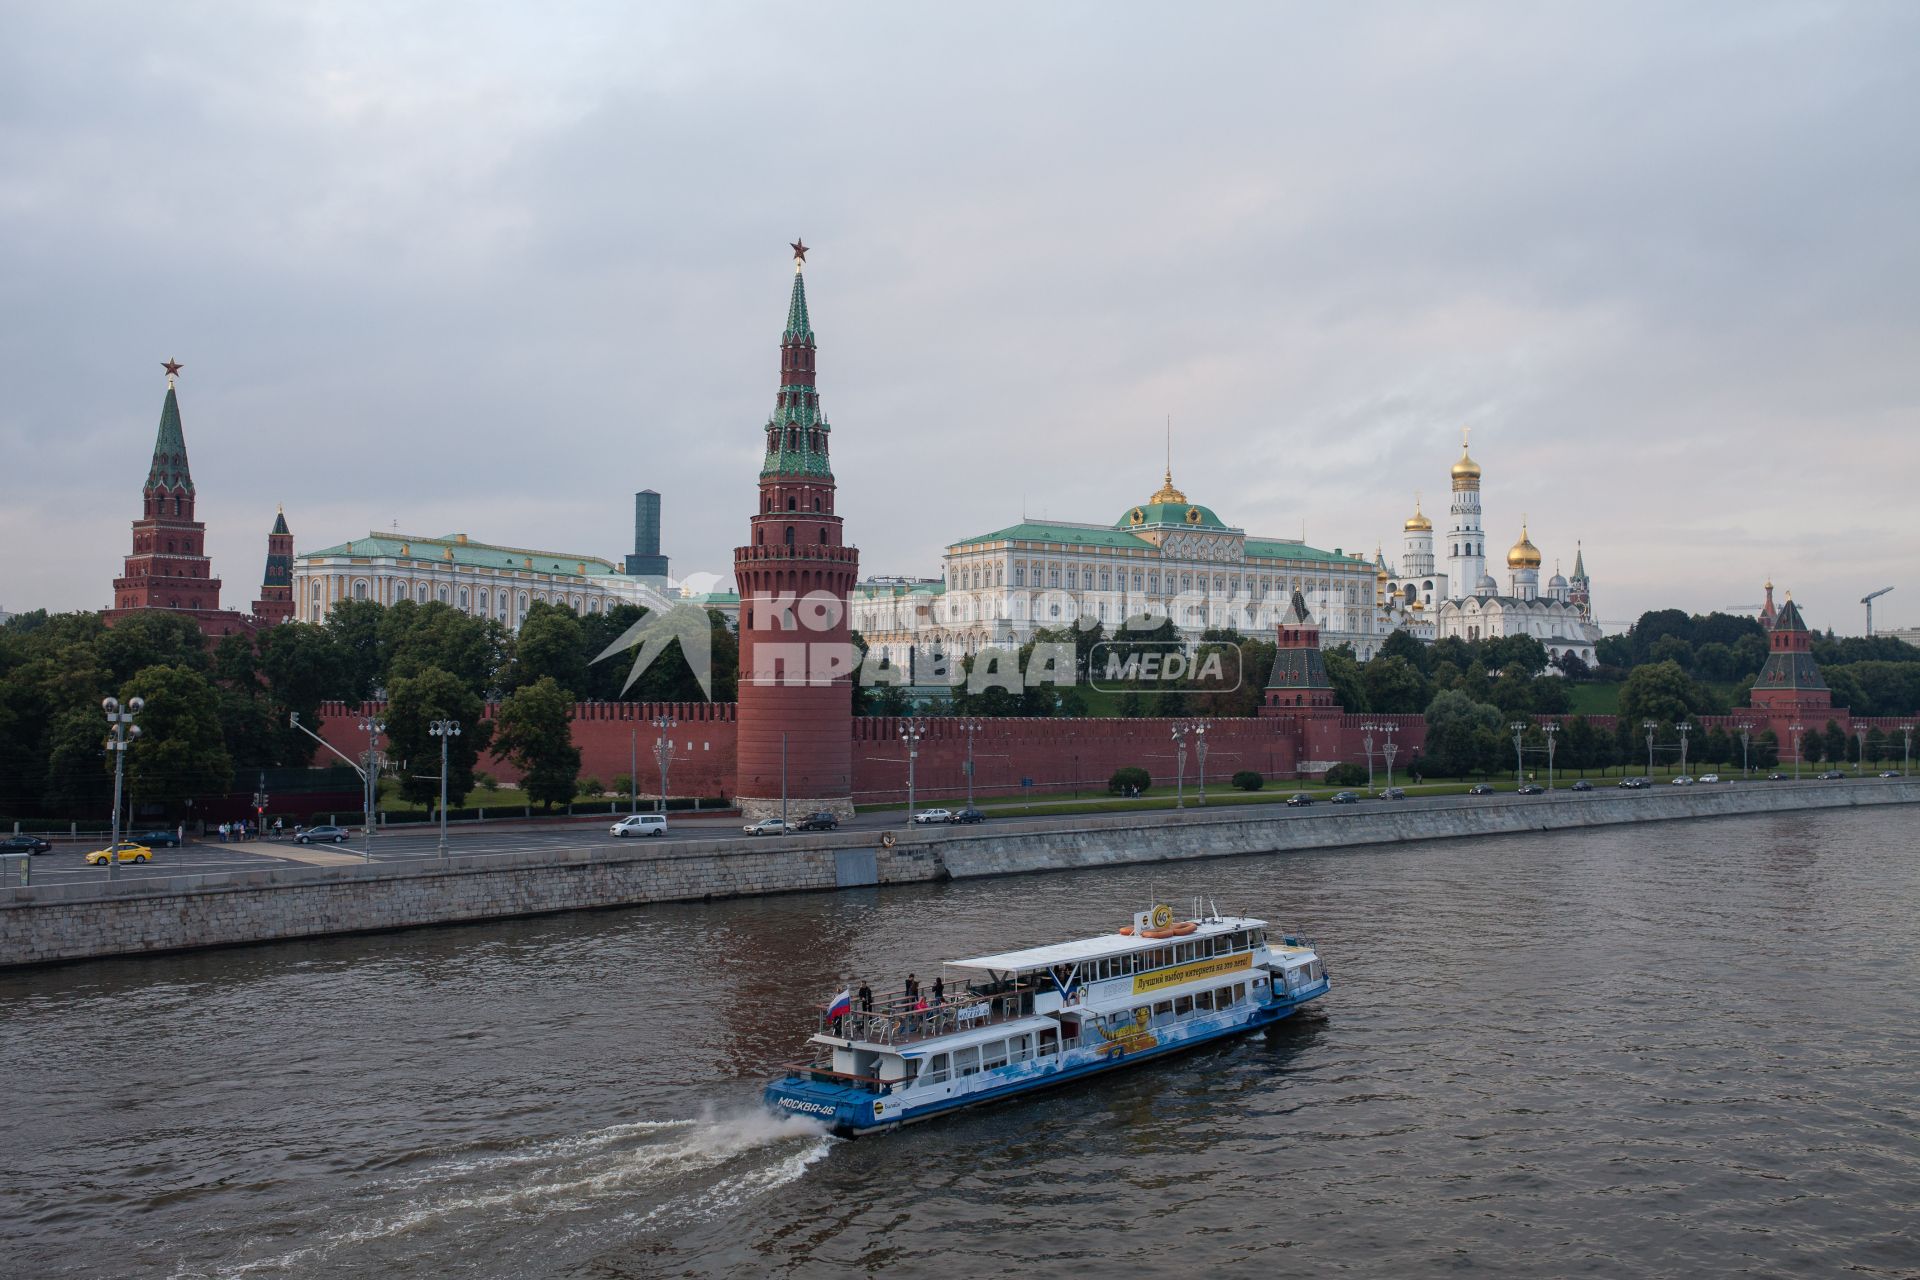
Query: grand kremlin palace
point(1167, 557)
point(477, 578)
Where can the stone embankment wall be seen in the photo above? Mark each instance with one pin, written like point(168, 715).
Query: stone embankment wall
point(44, 924)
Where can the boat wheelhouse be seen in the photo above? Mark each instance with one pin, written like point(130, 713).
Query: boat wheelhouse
point(1004, 1024)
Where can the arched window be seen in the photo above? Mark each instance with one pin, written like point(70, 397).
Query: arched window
point(483, 602)
point(816, 504)
point(443, 595)
point(359, 589)
point(760, 537)
point(789, 535)
point(176, 506)
point(463, 597)
point(793, 504)
point(823, 537)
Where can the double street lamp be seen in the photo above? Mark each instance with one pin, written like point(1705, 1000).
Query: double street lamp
point(1550, 728)
point(1906, 752)
point(1366, 745)
point(1180, 733)
point(911, 733)
point(1796, 730)
point(1519, 728)
point(1649, 726)
point(446, 731)
point(663, 753)
point(969, 727)
point(125, 731)
point(1683, 729)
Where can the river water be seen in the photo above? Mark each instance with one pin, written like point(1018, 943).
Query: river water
point(1679, 1049)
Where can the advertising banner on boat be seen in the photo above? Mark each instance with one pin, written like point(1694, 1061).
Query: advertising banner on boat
point(1160, 978)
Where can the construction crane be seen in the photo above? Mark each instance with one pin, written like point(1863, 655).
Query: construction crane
point(1868, 600)
point(1736, 608)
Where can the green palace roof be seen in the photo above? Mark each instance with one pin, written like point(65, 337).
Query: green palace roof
point(875, 590)
point(457, 549)
point(1188, 515)
point(1081, 535)
point(1292, 549)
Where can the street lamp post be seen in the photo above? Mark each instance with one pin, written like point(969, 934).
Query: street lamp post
point(446, 731)
point(1746, 768)
point(1860, 760)
point(1649, 726)
point(1180, 766)
point(1200, 758)
point(633, 769)
point(1796, 730)
point(1366, 745)
point(970, 727)
point(1389, 751)
point(1906, 752)
point(1683, 729)
point(783, 780)
point(366, 775)
point(663, 755)
point(911, 733)
point(373, 728)
point(125, 731)
point(1519, 727)
point(1551, 728)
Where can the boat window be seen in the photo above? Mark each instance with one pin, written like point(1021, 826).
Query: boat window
point(1183, 953)
point(936, 1072)
point(1049, 1041)
point(993, 1055)
point(1259, 937)
point(1182, 1006)
point(1203, 1000)
point(1239, 991)
point(966, 1062)
point(1019, 1048)
point(1163, 1011)
point(1223, 998)
point(1240, 941)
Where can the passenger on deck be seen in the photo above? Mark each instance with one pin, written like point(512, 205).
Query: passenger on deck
point(912, 990)
point(865, 996)
point(939, 990)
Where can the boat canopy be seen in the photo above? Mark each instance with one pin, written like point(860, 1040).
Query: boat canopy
point(1034, 959)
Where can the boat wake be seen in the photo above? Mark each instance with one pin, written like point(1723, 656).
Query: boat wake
point(548, 1199)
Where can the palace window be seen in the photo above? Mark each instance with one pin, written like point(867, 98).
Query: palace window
point(1053, 577)
point(463, 597)
point(1019, 576)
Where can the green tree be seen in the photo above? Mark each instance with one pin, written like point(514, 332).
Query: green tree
point(535, 733)
point(551, 643)
point(1715, 661)
point(1394, 686)
point(181, 751)
point(355, 628)
point(1459, 731)
point(1834, 744)
point(1660, 692)
point(1343, 673)
point(304, 666)
point(78, 778)
point(414, 703)
point(152, 639)
point(1401, 645)
point(1671, 649)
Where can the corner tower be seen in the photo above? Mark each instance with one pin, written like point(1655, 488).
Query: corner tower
point(168, 566)
point(795, 577)
point(1790, 684)
point(1466, 545)
point(276, 584)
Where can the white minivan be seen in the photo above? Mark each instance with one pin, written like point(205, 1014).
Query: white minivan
point(640, 824)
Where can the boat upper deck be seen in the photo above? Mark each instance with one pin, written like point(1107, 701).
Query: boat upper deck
point(1034, 959)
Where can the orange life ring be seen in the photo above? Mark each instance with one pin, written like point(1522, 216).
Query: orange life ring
point(1180, 930)
point(1126, 931)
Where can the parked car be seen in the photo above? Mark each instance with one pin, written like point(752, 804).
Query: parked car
point(1529, 789)
point(640, 824)
point(1299, 800)
point(1393, 793)
point(1345, 797)
point(128, 852)
point(969, 815)
point(927, 816)
point(1583, 785)
point(766, 827)
point(158, 839)
point(1709, 777)
point(325, 833)
point(824, 820)
point(24, 844)
point(1479, 789)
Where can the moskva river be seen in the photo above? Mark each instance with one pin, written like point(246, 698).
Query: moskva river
point(1689, 1048)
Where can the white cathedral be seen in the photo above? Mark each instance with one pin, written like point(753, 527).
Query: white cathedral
point(1466, 602)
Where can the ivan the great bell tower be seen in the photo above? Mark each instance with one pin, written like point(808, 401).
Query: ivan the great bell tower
point(796, 578)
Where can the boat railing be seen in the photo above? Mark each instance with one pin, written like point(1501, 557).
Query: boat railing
point(897, 1020)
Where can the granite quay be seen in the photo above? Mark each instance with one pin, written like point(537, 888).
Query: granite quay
point(42, 924)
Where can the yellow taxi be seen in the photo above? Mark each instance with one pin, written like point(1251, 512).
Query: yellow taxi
point(127, 850)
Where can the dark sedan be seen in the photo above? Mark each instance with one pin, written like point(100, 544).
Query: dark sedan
point(1479, 789)
point(24, 844)
point(1530, 789)
point(821, 821)
point(1298, 800)
point(1583, 785)
point(969, 816)
point(1345, 797)
point(323, 834)
point(157, 839)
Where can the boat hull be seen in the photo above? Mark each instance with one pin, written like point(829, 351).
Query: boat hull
point(855, 1111)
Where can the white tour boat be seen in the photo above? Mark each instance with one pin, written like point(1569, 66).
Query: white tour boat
point(1006, 1024)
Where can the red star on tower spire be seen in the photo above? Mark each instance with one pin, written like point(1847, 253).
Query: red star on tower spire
point(173, 368)
point(799, 248)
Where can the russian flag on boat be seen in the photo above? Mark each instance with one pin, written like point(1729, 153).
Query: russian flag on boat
point(841, 1005)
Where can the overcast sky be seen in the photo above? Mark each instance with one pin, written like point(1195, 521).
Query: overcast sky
point(490, 269)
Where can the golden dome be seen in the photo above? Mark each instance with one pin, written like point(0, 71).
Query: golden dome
point(1417, 523)
point(1167, 492)
point(1466, 472)
point(1523, 555)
